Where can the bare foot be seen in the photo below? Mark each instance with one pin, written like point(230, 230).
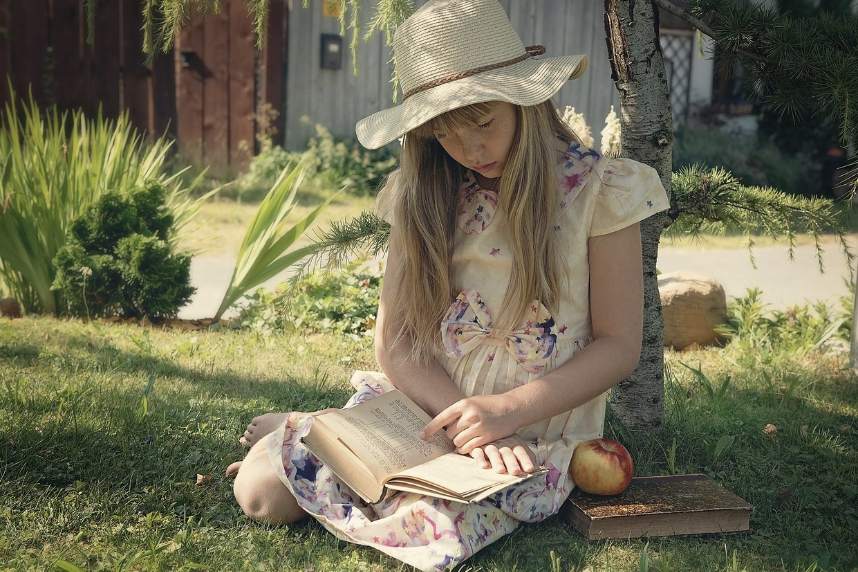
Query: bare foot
point(232, 470)
point(260, 427)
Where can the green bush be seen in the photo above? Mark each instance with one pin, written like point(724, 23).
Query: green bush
point(341, 161)
point(331, 162)
point(119, 261)
point(343, 300)
point(753, 161)
point(755, 331)
point(53, 167)
point(265, 168)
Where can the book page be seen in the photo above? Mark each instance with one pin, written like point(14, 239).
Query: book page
point(384, 433)
point(459, 475)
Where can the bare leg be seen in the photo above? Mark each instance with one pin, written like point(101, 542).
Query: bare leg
point(260, 492)
point(261, 426)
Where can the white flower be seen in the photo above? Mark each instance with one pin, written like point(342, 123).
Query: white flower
point(611, 135)
point(86, 270)
point(578, 124)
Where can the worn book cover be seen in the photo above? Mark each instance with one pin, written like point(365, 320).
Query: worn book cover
point(659, 506)
point(374, 447)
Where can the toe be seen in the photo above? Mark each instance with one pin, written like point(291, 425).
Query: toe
point(232, 470)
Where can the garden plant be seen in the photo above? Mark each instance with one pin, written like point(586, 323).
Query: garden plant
point(53, 167)
point(119, 260)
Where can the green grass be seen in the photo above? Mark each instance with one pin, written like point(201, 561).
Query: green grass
point(104, 429)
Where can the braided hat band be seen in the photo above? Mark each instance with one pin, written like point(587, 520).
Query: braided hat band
point(452, 53)
point(531, 52)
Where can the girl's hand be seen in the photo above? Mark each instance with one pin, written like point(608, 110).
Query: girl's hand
point(474, 422)
point(509, 455)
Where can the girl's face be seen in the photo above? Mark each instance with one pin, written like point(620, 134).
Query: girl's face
point(483, 146)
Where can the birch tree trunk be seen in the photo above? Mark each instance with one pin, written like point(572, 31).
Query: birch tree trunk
point(638, 71)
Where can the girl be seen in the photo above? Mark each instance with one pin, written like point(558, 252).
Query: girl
point(512, 296)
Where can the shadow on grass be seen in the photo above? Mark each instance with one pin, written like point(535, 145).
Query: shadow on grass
point(83, 409)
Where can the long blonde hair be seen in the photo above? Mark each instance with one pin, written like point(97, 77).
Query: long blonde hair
point(425, 209)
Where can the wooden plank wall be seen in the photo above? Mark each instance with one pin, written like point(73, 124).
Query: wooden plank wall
point(337, 99)
point(217, 87)
point(43, 49)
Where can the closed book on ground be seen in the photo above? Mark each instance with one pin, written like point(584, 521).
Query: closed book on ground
point(374, 448)
point(659, 506)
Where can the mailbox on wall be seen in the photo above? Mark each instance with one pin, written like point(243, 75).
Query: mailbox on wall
point(332, 51)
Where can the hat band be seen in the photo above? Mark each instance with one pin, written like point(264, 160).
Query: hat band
point(530, 51)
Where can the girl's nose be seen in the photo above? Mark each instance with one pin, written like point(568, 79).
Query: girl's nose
point(471, 147)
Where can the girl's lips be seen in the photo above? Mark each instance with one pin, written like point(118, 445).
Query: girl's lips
point(485, 168)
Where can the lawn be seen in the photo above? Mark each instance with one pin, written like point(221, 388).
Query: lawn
point(115, 439)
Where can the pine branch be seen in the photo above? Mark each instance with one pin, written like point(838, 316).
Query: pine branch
point(699, 24)
point(344, 240)
point(714, 201)
point(801, 67)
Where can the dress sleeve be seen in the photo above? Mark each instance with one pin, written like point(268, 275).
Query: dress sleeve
point(385, 200)
point(630, 192)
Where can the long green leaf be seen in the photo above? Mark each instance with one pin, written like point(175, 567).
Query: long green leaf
point(261, 256)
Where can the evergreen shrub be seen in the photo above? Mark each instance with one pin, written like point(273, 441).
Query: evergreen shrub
point(119, 261)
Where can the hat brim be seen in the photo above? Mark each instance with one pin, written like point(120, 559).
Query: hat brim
point(529, 82)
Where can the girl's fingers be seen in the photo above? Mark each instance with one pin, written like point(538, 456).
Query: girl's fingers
point(496, 459)
point(525, 461)
point(468, 443)
point(510, 461)
point(480, 457)
point(443, 419)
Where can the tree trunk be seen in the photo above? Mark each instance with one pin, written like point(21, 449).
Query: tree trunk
point(853, 353)
point(647, 136)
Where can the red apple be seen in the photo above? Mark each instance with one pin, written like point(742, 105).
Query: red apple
point(601, 467)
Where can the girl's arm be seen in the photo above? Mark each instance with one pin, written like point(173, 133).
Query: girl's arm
point(616, 311)
point(428, 385)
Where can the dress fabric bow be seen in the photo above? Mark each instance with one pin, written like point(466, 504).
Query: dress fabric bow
point(476, 206)
point(467, 324)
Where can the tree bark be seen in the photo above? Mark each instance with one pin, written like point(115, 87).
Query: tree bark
point(853, 346)
point(638, 71)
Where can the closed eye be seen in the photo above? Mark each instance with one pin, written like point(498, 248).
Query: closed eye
point(487, 124)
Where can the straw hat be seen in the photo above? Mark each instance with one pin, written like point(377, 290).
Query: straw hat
point(452, 53)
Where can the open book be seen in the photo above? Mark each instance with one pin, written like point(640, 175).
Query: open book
point(374, 447)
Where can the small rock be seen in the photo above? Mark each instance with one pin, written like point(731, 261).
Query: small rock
point(692, 305)
point(10, 308)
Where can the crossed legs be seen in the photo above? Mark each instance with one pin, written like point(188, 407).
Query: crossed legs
point(260, 492)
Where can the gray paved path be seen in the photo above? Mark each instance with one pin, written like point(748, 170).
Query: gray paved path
point(783, 283)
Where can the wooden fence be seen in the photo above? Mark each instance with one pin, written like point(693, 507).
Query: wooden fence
point(204, 92)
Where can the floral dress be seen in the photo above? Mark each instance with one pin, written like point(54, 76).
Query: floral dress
point(596, 196)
